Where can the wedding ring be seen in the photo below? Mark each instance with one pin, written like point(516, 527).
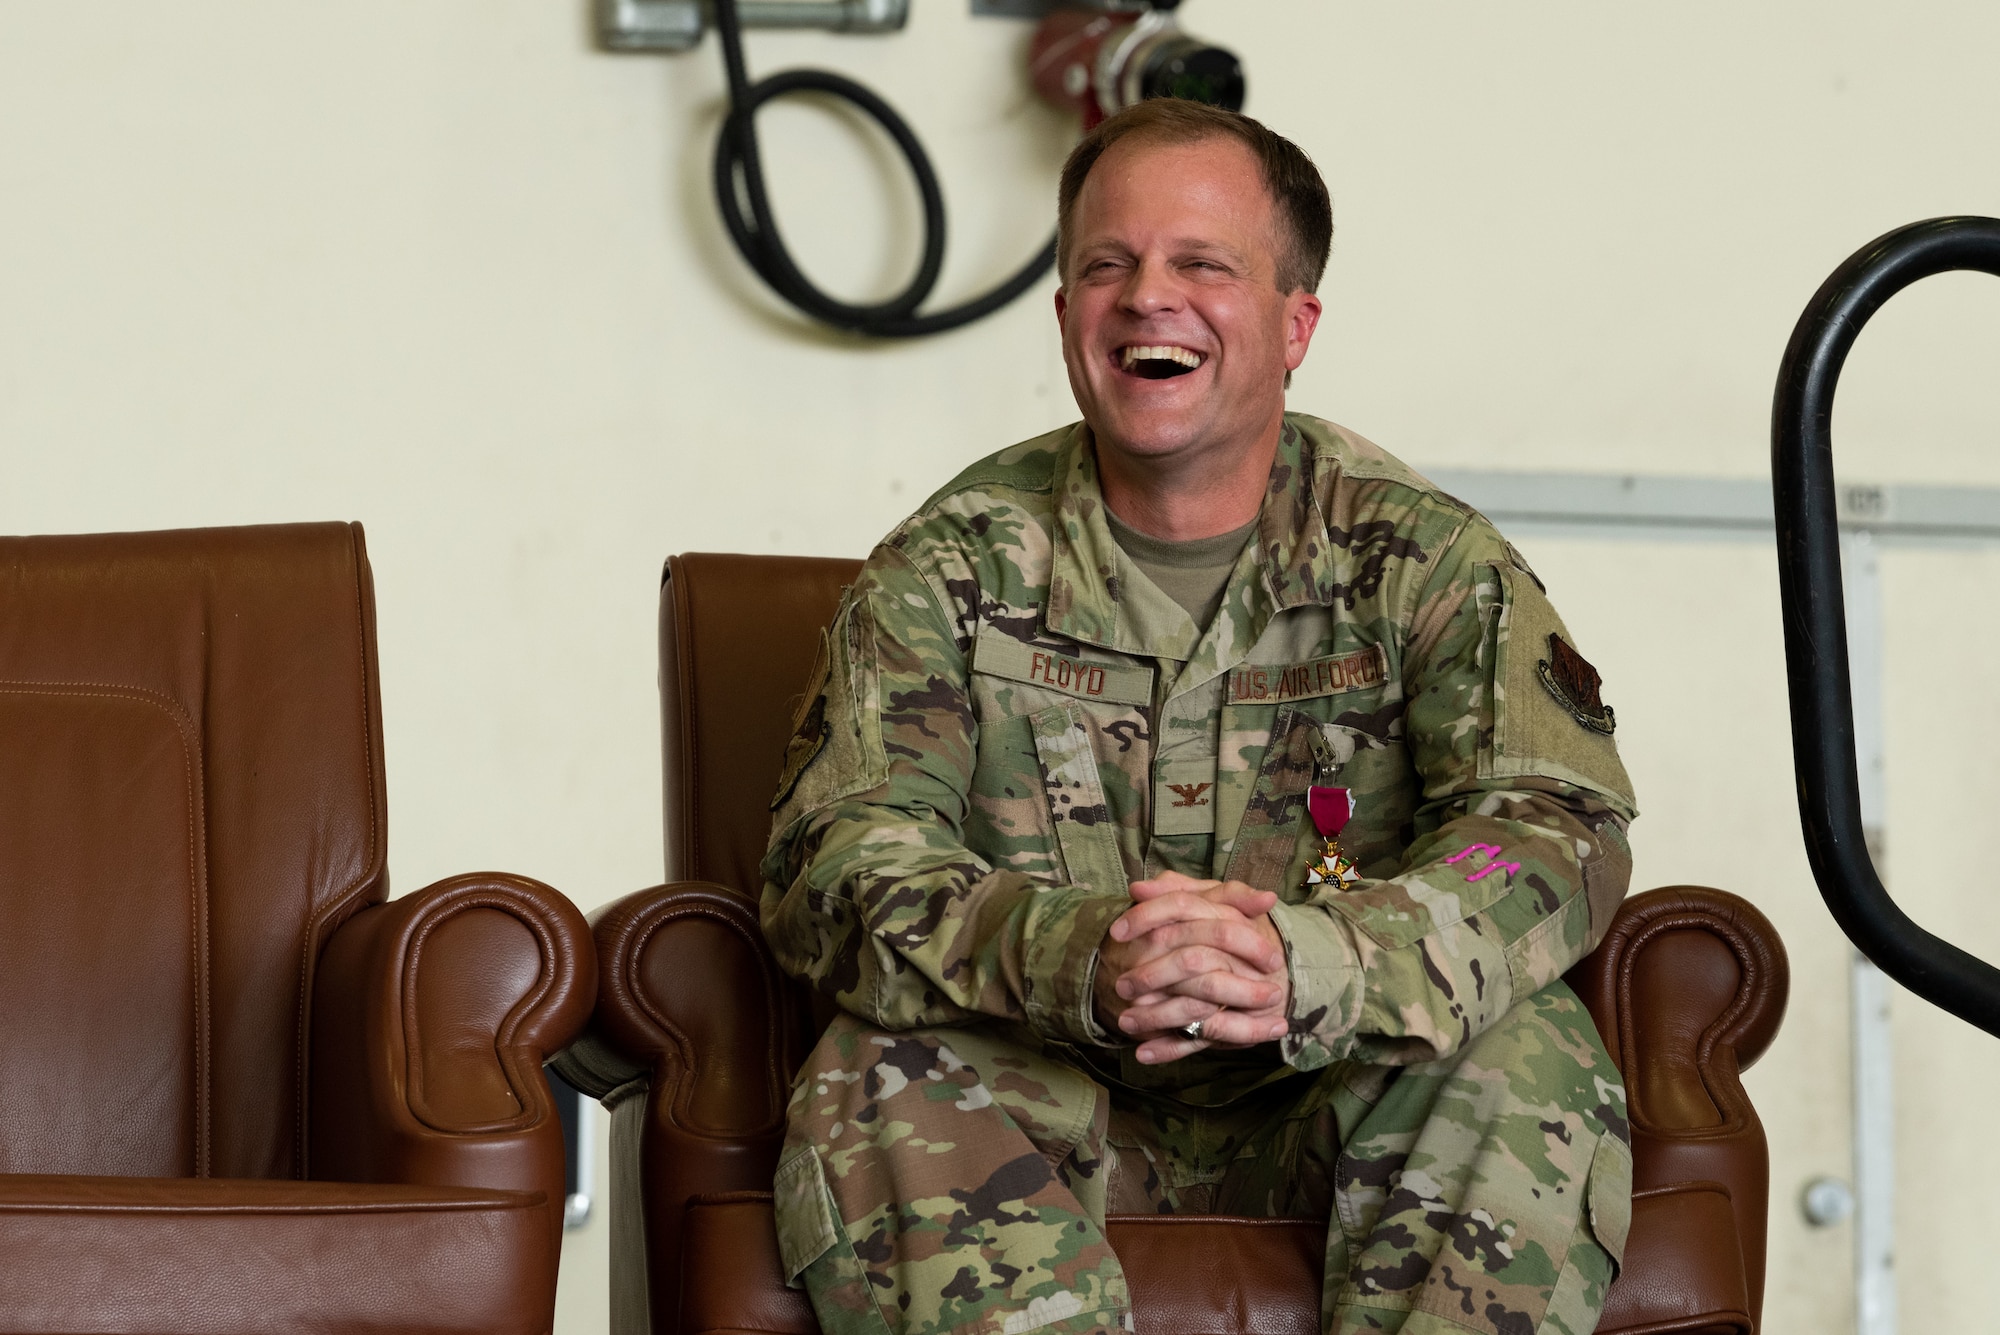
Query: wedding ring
point(1192, 1028)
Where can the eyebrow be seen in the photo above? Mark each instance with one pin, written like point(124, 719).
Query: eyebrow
point(1212, 248)
point(1182, 246)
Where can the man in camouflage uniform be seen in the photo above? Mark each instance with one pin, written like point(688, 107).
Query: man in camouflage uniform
point(1041, 833)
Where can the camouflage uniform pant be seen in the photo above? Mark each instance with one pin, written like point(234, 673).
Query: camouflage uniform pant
point(957, 1180)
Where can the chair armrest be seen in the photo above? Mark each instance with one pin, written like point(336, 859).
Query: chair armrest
point(691, 1004)
point(432, 1015)
point(692, 1048)
point(1688, 989)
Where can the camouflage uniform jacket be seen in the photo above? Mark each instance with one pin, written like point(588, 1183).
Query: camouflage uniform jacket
point(1010, 723)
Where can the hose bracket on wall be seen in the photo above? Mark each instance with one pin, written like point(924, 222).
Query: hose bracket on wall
point(746, 206)
point(1809, 582)
point(1093, 57)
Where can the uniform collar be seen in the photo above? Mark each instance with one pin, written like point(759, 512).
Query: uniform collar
point(1083, 572)
point(1296, 551)
point(1292, 564)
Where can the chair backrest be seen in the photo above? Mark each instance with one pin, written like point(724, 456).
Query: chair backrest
point(738, 636)
point(190, 799)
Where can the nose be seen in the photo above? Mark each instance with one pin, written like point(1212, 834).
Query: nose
point(1151, 288)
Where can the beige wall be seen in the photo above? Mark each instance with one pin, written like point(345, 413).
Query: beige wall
point(446, 269)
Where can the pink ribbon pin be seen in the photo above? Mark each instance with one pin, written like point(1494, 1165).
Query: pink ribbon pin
point(1490, 850)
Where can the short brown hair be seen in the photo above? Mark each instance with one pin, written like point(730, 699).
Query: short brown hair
point(1295, 184)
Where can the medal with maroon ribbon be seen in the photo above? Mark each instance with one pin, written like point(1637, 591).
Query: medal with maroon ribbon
point(1330, 809)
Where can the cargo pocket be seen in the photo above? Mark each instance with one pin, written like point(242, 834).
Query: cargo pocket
point(1547, 719)
point(804, 1210)
point(1584, 1285)
point(1077, 808)
point(1610, 1197)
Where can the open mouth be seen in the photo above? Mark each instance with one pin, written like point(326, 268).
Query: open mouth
point(1158, 361)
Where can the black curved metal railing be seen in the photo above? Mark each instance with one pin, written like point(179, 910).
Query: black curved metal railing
point(1809, 585)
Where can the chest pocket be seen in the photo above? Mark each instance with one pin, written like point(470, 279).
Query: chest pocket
point(1084, 827)
point(1091, 746)
point(1299, 698)
point(1268, 834)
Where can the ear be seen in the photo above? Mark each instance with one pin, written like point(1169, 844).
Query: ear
point(1302, 311)
point(1062, 307)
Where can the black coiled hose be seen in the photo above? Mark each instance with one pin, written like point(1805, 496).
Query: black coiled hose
point(737, 161)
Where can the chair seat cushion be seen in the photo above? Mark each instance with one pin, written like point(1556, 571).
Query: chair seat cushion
point(1215, 1275)
point(212, 1256)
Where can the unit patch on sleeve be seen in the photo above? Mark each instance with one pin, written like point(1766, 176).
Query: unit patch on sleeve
point(1282, 683)
point(1575, 683)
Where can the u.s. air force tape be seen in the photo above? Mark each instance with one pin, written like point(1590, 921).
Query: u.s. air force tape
point(1282, 683)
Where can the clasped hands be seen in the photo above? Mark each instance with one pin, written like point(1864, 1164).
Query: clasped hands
point(1192, 950)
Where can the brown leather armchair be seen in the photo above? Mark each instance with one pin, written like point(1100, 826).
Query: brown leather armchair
point(239, 1091)
point(697, 1034)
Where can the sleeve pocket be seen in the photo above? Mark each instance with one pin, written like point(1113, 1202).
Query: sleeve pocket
point(836, 746)
point(1534, 731)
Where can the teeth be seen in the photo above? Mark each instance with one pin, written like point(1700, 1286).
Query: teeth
point(1160, 352)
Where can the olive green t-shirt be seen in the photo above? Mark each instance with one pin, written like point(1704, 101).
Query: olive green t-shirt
point(1192, 573)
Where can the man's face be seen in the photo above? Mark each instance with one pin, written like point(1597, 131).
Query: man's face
point(1175, 333)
